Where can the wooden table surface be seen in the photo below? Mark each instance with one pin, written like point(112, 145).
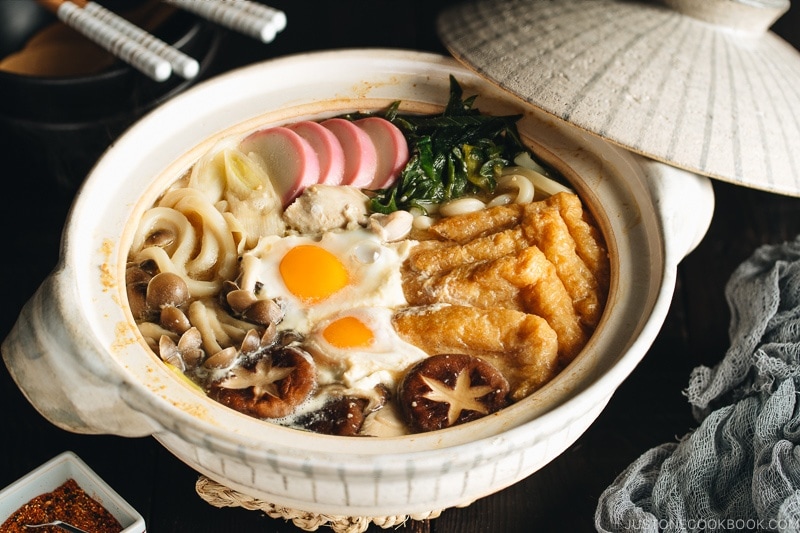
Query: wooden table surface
point(647, 410)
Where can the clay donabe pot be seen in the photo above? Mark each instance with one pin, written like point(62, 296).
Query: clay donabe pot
point(101, 377)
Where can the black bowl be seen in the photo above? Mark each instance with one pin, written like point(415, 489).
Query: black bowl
point(61, 125)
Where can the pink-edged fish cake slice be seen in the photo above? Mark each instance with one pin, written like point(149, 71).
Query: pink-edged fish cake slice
point(391, 147)
point(360, 155)
point(328, 148)
point(288, 159)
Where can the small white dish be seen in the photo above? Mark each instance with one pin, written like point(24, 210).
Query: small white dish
point(53, 474)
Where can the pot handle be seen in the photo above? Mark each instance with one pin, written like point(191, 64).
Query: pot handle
point(685, 205)
point(67, 379)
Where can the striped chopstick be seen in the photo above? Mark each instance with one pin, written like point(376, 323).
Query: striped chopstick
point(245, 16)
point(126, 41)
point(123, 47)
point(151, 55)
point(185, 66)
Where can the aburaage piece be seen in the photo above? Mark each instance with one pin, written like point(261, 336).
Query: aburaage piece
point(543, 258)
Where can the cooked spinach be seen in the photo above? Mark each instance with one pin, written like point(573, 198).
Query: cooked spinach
point(454, 154)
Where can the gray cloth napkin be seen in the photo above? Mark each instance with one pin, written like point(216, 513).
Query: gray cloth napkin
point(740, 469)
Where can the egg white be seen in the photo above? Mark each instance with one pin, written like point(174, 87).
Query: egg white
point(373, 269)
point(382, 362)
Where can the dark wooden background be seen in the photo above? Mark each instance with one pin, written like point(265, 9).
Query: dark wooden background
point(647, 410)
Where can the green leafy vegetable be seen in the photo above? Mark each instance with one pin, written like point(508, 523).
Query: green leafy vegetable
point(457, 153)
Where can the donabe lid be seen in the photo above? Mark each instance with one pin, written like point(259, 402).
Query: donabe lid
point(703, 85)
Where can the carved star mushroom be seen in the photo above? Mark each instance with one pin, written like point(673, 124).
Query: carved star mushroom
point(448, 389)
point(262, 378)
point(271, 388)
point(462, 396)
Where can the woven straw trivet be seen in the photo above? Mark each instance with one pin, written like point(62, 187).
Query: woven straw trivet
point(221, 496)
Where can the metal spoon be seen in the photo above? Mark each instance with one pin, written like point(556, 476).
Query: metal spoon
point(59, 524)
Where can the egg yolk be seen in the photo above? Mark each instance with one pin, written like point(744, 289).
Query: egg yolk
point(312, 273)
point(348, 332)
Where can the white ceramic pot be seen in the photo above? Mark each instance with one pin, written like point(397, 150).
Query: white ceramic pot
point(77, 355)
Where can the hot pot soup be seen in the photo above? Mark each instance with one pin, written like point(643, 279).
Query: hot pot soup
point(370, 274)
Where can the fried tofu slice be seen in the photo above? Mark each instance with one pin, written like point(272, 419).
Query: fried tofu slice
point(525, 282)
point(545, 258)
point(548, 298)
point(486, 284)
point(431, 257)
point(520, 345)
point(544, 227)
point(588, 240)
point(470, 226)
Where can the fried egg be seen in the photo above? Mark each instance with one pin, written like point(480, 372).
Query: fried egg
point(314, 278)
point(361, 349)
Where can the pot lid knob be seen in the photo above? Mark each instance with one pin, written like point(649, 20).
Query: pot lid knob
point(703, 85)
point(755, 16)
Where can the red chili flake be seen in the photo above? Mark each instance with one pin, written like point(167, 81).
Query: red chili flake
point(68, 503)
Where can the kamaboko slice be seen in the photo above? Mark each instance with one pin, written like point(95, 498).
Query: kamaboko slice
point(289, 160)
point(360, 155)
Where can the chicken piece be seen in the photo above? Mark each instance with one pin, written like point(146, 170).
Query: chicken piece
point(522, 346)
point(322, 208)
